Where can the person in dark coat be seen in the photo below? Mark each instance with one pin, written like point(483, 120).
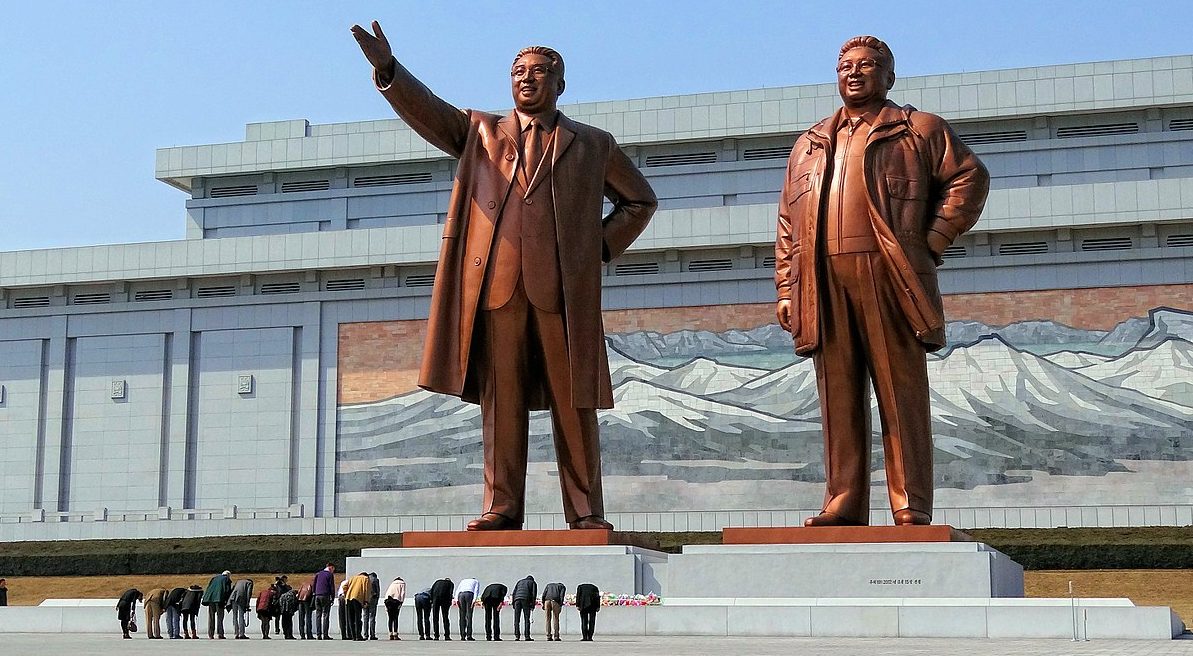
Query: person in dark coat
point(441, 601)
point(192, 601)
point(174, 612)
point(525, 593)
point(126, 607)
point(281, 586)
point(3, 592)
point(287, 606)
point(588, 602)
point(493, 598)
point(215, 598)
point(422, 613)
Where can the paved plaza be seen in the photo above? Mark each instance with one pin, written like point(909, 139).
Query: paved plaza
point(80, 644)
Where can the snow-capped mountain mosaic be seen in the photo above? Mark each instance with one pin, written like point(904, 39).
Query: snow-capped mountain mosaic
point(698, 413)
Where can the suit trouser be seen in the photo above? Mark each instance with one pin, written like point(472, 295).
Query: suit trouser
point(521, 346)
point(440, 610)
point(153, 620)
point(551, 609)
point(370, 621)
point(522, 613)
point(322, 616)
point(587, 624)
point(492, 618)
point(864, 331)
point(304, 620)
point(355, 617)
point(172, 616)
point(240, 620)
point(343, 608)
point(464, 603)
point(215, 620)
point(422, 614)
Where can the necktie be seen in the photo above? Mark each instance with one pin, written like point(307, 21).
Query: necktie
point(532, 149)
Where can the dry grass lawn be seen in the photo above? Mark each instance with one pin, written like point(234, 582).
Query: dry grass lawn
point(31, 591)
point(1157, 587)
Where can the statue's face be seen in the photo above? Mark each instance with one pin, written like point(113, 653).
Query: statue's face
point(535, 83)
point(863, 78)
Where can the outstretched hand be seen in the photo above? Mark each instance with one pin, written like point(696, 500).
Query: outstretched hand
point(374, 46)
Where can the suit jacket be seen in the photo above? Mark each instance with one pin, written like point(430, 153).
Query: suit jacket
point(920, 179)
point(441, 592)
point(219, 588)
point(588, 597)
point(156, 597)
point(554, 592)
point(526, 590)
point(587, 168)
point(242, 594)
point(494, 593)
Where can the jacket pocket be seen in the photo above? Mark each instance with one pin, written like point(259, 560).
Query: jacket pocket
point(799, 185)
point(906, 188)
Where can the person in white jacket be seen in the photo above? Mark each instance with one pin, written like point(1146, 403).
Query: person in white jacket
point(395, 594)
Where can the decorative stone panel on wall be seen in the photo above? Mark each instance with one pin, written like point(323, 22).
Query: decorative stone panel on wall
point(1070, 397)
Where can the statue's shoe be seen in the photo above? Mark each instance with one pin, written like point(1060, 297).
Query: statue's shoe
point(909, 517)
point(494, 522)
point(592, 521)
point(830, 519)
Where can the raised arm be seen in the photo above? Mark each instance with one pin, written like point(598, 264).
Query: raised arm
point(437, 121)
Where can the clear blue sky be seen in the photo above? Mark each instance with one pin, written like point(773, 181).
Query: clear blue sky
point(91, 89)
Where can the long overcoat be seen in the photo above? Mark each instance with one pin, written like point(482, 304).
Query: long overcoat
point(587, 167)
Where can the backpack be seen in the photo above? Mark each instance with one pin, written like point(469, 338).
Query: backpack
point(265, 600)
point(288, 602)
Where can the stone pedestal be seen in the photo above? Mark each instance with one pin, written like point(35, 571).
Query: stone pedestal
point(612, 568)
point(866, 570)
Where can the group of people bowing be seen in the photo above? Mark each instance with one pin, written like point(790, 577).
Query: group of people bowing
point(357, 599)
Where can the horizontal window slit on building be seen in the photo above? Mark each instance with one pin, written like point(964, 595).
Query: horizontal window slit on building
point(420, 280)
point(681, 159)
point(388, 180)
point(216, 292)
point(233, 191)
point(153, 295)
point(98, 298)
point(953, 252)
point(281, 288)
point(1179, 241)
point(768, 262)
point(1023, 248)
point(345, 285)
point(31, 302)
point(1181, 124)
point(1001, 136)
point(776, 152)
point(636, 269)
point(305, 185)
point(1106, 244)
point(719, 264)
point(1075, 131)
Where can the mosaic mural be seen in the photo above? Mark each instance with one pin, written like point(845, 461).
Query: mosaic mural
point(730, 420)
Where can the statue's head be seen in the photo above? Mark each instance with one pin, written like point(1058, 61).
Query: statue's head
point(536, 79)
point(865, 71)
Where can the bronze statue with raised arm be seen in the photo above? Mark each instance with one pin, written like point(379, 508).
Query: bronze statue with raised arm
point(515, 318)
point(874, 195)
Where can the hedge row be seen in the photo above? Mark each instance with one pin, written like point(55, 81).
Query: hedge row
point(1036, 549)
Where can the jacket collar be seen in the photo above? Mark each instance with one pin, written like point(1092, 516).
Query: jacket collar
point(890, 116)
